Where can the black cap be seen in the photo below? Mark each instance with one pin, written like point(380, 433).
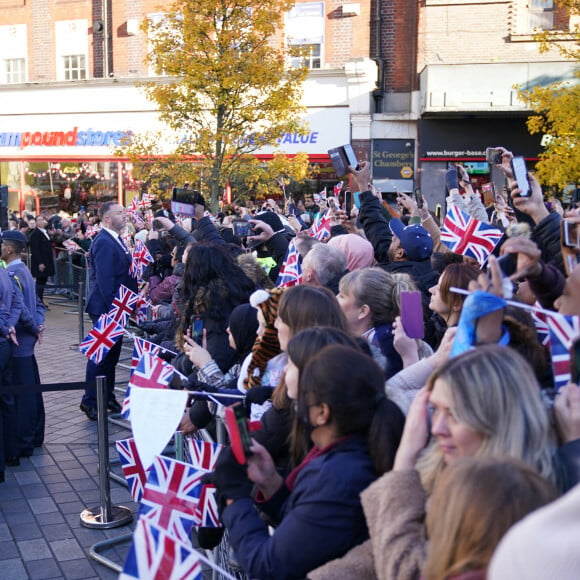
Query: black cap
point(14, 236)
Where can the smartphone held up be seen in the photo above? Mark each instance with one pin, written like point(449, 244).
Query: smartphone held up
point(521, 176)
point(341, 157)
point(493, 155)
point(412, 314)
point(238, 430)
point(196, 329)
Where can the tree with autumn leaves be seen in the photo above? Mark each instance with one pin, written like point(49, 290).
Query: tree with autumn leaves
point(556, 109)
point(225, 88)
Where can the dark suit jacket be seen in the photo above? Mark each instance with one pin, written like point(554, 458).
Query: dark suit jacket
point(41, 253)
point(109, 268)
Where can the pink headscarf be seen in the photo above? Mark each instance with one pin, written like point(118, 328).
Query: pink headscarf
point(359, 252)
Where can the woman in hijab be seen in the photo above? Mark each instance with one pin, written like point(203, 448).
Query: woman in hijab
point(241, 330)
point(358, 251)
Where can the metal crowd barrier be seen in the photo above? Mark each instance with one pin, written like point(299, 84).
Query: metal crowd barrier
point(105, 515)
point(178, 448)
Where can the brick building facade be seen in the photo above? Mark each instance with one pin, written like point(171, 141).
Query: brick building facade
point(402, 80)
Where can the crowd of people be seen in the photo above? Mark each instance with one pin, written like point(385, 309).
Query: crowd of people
point(374, 454)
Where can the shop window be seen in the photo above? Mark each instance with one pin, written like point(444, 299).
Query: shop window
point(541, 14)
point(15, 70)
point(75, 67)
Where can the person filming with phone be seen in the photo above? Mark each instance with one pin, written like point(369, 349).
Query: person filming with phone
point(398, 248)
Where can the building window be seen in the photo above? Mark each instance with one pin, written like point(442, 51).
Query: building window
point(15, 70)
point(305, 25)
point(541, 14)
point(311, 59)
point(71, 44)
point(74, 67)
point(14, 43)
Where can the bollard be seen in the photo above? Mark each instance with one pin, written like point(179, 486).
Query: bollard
point(81, 311)
point(104, 515)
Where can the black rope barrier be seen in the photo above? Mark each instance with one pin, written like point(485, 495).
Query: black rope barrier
point(10, 389)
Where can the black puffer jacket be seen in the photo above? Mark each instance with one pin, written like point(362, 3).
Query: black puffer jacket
point(547, 235)
point(375, 223)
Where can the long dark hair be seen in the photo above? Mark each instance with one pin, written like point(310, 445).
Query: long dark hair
point(212, 285)
point(301, 348)
point(353, 387)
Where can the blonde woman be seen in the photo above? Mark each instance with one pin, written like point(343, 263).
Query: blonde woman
point(484, 403)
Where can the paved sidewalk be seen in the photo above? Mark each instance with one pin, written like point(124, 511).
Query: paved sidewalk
point(42, 499)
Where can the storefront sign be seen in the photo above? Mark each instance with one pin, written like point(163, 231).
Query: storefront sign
point(91, 137)
point(72, 138)
point(466, 139)
point(393, 158)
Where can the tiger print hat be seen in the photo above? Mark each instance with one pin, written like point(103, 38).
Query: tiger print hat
point(267, 346)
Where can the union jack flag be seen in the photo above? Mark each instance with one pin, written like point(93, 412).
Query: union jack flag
point(142, 309)
point(155, 555)
point(144, 312)
point(321, 227)
point(133, 206)
point(171, 496)
point(141, 257)
point(541, 322)
point(207, 513)
point(123, 306)
point(126, 406)
point(338, 188)
point(138, 220)
point(133, 470)
point(92, 231)
point(291, 271)
point(141, 346)
point(71, 246)
point(151, 372)
point(101, 339)
point(467, 236)
point(322, 194)
point(563, 329)
point(144, 202)
point(203, 454)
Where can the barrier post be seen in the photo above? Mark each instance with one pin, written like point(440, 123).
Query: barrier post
point(104, 515)
point(81, 311)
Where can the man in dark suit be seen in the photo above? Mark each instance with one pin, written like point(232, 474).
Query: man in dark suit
point(41, 256)
point(109, 262)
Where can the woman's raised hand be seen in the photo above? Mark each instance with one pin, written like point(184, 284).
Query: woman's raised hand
point(567, 412)
point(198, 355)
point(407, 347)
point(262, 471)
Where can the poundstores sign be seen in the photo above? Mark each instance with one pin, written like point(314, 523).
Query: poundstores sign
point(72, 138)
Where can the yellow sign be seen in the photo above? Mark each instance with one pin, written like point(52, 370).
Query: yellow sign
point(406, 172)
